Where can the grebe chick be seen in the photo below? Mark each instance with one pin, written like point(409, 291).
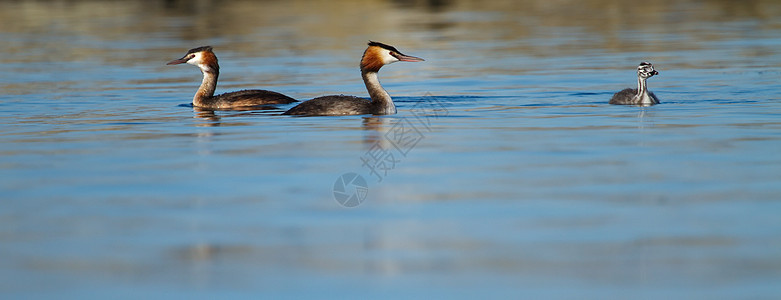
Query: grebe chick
point(640, 96)
point(204, 58)
point(375, 56)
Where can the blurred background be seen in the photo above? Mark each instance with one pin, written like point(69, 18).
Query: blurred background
point(530, 186)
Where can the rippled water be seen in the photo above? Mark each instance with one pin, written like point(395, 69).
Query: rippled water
point(514, 178)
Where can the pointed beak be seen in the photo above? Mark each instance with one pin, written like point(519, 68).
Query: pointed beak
point(177, 61)
point(402, 57)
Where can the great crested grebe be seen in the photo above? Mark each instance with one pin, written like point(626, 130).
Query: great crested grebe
point(640, 96)
point(375, 56)
point(204, 58)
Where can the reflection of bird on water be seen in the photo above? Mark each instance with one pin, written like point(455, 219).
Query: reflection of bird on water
point(204, 58)
point(375, 56)
point(375, 129)
point(640, 96)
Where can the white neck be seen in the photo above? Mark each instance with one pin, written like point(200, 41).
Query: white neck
point(381, 100)
point(208, 86)
point(642, 92)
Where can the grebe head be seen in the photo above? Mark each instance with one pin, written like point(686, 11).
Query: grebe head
point(646, 70)
point(379, 54)
point(203, 57)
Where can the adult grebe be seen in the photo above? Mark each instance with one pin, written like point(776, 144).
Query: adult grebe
point(640, 96)
point(375, 56)
point(204, 58)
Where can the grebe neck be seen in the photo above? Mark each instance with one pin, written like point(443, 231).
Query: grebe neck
point(381, 100)
point(208, 85)
point(642, 91)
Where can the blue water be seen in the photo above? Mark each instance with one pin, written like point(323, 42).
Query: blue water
point(513, 177)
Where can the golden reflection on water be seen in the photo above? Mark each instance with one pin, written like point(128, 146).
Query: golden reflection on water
point(108, 30)
point(305, 39)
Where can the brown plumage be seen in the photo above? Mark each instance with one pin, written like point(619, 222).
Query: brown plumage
point(372, 61)
point(204, 58)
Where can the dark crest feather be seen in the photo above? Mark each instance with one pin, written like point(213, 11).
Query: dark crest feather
point(199, 49)
point(384, 46)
